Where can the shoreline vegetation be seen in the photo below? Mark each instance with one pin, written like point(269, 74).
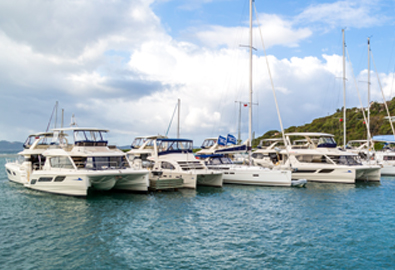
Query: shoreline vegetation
point(333, 124)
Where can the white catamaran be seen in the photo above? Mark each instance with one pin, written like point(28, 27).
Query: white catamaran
point(58, 166)
point(315, 157)
point(174, 158)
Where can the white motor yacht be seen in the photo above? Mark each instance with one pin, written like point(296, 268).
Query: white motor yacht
point(174, 158)
point(316, 158)
point(141, 149)
point(73, 168)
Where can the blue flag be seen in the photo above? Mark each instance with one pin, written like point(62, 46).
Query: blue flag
point(231, 139)
point(221, 140)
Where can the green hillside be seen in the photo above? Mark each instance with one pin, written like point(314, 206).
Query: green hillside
point(356, 129)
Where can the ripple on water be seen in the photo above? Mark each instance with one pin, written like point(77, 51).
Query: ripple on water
point(322, 226)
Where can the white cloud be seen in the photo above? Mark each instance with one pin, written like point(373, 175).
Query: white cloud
point(352, 14)
point(275, 31)
point(114, 66)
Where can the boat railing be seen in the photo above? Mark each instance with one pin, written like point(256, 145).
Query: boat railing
point(17, 160)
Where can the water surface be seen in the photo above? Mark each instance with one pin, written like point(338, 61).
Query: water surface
point(322, 226)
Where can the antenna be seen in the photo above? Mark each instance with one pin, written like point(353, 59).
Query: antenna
point(73, 121)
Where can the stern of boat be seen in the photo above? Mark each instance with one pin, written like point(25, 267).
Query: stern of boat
point(210, 178)
point(132, 180)
point(368, 174)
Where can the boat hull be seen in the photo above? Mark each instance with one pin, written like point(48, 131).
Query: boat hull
point(335, 175)
point(388, 170)
point(257, 177)
point(210, 178)
point(132, 180)
point(77, 183)
point(73, 184)
point(368, 173)
point(194, 178)
point(15, 173)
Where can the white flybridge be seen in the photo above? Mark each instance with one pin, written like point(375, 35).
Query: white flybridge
point(73, 168)
point(318, 159)
point(216, 158)
point(173, 158)
point(30, 157)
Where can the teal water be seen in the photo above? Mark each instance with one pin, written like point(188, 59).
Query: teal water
point(322, 226)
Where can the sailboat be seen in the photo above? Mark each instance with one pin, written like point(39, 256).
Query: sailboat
point(247, 174)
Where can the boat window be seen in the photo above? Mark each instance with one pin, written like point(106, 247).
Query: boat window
point(226, 160)
point(257, 155)
point(151, 143)
point(208, 143)
point(389, 158)
point(138, 142)
point(45, 140)
point(312, 159)
point(90, 138)
point(167, 166)
point(215, 161)
point(29, 141)
point(345, 160)
point(326, 142)
point(59, 178)
point(45, 179)
point(61, 162)
point(80, 135)
point(104, 163)
point(304, 158)
point(174, 146)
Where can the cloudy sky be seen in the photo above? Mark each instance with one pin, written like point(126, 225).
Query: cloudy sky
point(123, 64)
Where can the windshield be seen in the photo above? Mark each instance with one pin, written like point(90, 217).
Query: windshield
point(138, 142)
point(89, 135)
point(326, 142)
point(208, 143)
point(174, 146)
point(220, 161)
point(29, 141)
point(44, 140)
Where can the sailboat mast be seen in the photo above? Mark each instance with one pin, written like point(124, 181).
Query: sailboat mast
point(368, 133)
point(178, 124)
point(344, 93)
point(250, 107)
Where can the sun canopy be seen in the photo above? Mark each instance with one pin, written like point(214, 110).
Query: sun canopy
point(384, 138)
